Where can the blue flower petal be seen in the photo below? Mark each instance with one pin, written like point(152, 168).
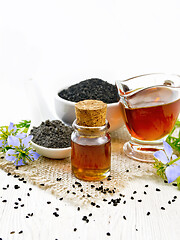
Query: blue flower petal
point(10, 155)
point(12, 127)
point(25, 141)
point(19, 162)
point(168, 150)
point(33, 155)
point(1, 143)
point(13, 141)
point(21, 135)
point(161, 156)
point(172, 172)
point(174, 157)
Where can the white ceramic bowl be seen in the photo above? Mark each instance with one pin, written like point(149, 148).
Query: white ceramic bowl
point(65, 110)
point(55, 153)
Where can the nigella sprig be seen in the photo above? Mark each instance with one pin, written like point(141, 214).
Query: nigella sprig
point(167, 164)
point(20, 151)
point(16, 144)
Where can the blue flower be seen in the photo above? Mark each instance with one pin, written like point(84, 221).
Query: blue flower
point(20, 151)
point(167, 157)
point(5, 132)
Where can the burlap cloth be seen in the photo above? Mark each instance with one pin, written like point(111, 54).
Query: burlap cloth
point(56, 177)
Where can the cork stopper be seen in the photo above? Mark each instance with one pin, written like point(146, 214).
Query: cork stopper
point(91, 113)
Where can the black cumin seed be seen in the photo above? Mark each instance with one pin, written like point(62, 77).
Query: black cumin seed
point(139, 200)
point(56, 214)
point(88, 195)
point(58, 179)
point(4, 188)
point(148, 213)
point(132, 198)
point(165, 181)
point(127, 170)
point(92, 186)
point(22, 205)
point(90, 214)
point(19, 199)
point(17, 167)
point(16, 203)
point(61, 199)
point(84, 218)
point(162, 208)
point(139, 166)
point(81, 190)
point(87, 220)
point(2, 157)
point(108, 234)
point(16, 207)
point(136, 229)
point(158, 190)
point(30, 189)
point(93, 204)
point(42, 184)
point(108, 179)
point(16, 186)
point(4, 200)
point(145, 192)
point(20, 232)
point(67, 191)
point(134, 192)
point(146, 185)
point(97, 206)
point(173, 200)
point(73, 186)
point(105, 200)
point(28, 194)
point(74, 193)
point(174, 184)
point(24, 181)
point(48, 202)
point(175, 197)
point(9, 174)
point(20, 179)
point(16, 176)
point(169, 202)
point(57, 209)
point(124, 217)
point(78, 208)
point(124, 202)
point(101, 182)
point(75, 229)
point(27, 216)
point(7, 185)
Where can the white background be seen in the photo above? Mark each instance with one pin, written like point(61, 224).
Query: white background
point(60, 42)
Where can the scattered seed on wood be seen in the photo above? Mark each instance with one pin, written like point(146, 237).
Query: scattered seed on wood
point(19, 199)
point(28, 194)
point(87, 220)
point(90, 214)
point(16, 176)
point(169, 202)
point(22, 205)
point(48, 202)
point(20, 232)
point(75, 229)
point(61, 199)
point(30, 189)
point(21, 179)
point(124, 202)
point(124, 217)
point(148, 213)
point(173, 200)
point(12, 232)
point(16, 186)
point(42, 184)
point(57, 209)
point(108, 234)
point(8, 173)
point(162, 208)
point(4, 200)
point(24, 181)
point(139, 166)
point(56, 214)
point(127, 170)
point(165, 181)
point(97, 206)
point(175, 197)
point(158, 190)
point(2, 157)
point(16, 203)
point(58, 179)
point(139, 200)
point(145, 192)
point(134, 192)
point(78, 208)
point(84, 218)
point(16, 207)
point(174, 184)
point(93, 204)
point(146, 185)
point(132, 198)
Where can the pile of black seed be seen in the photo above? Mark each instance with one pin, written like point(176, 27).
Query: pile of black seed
point(52, 134)
point(94, 88)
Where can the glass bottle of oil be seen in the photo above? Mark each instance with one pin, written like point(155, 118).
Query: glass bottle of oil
point(91, 142)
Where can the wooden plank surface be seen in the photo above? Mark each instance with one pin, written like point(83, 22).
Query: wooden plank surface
point(124, 221)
